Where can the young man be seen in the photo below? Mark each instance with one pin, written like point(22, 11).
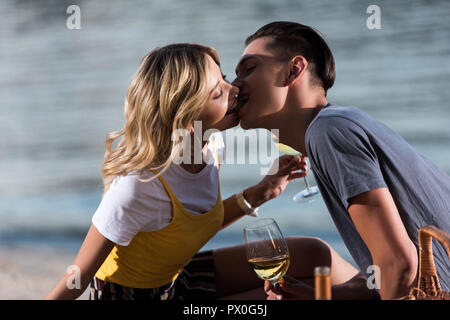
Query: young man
point(378, 189)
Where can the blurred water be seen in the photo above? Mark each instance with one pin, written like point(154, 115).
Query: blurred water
point(63, 90)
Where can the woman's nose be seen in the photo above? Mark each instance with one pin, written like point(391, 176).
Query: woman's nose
point(234, 90)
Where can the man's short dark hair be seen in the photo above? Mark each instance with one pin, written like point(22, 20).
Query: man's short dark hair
point(294, 39)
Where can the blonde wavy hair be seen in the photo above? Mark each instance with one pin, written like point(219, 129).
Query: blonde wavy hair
point(167, 93)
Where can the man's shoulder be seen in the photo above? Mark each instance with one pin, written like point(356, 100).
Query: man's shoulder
point(335, 114)
point(335, 119)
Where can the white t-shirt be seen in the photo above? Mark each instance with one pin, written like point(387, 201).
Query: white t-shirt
point(131, 206)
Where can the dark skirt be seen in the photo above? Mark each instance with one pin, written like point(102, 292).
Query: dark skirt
point(195, 282)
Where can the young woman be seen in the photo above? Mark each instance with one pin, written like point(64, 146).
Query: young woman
point(155, 214)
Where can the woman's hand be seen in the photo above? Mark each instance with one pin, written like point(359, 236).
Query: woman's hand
point(270, 187)
point(284, 169)
point(289, 288)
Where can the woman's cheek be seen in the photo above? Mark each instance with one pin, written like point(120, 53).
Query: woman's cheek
point(221, 108)
point(213, 113)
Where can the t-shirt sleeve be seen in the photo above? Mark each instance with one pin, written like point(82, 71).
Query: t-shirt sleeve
point(124, 210)
point(343, 157)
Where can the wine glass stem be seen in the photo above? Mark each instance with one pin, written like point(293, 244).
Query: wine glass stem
point(307, 183)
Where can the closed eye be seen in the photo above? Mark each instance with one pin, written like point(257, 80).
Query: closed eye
point(250, 69)
point(218, 96)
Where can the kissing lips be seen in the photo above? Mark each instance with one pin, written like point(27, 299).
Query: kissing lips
point(238, 105)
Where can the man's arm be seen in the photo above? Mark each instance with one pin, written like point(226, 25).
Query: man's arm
point(378, 222)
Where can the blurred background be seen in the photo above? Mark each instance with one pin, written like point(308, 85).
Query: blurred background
point(62, 91)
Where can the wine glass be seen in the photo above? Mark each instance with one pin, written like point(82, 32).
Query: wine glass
point(267, 251)
point(310, 192)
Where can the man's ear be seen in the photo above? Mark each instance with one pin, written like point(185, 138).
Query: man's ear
point(297, 67)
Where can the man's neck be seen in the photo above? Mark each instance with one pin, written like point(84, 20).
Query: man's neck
point(196, 167)
point(295, 118)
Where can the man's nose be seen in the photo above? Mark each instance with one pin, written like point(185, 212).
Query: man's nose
point(237, 83)
point(234, 90)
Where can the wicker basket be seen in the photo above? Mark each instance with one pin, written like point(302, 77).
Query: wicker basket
point(428, 287)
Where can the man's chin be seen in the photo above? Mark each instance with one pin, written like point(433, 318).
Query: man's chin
point(246, 125)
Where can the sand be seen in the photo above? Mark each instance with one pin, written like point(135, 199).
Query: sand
point(28, 273)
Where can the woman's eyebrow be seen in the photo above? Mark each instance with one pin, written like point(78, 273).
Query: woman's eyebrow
point(214, 87)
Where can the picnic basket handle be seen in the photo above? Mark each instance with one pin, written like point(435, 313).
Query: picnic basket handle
point(428, 281)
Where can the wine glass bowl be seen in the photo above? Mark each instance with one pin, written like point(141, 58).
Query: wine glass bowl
point(267, 250)
point(308, 194)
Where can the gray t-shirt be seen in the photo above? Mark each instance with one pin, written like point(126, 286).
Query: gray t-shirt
point(351, 153)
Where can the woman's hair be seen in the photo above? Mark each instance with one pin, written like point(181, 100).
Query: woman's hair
point(291, 39)
point(167, 93)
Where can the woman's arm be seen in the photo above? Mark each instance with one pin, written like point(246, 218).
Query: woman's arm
point(92, 254)
point(270, 187)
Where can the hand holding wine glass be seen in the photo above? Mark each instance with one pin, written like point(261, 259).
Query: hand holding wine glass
point(267, 250)
point(283, 170)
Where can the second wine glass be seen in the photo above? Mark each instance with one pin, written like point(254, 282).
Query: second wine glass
point(267, 250)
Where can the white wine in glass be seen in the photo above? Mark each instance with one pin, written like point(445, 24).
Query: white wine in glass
point(267, 251)
point(310, 192)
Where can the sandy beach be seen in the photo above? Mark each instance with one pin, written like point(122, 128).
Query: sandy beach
point(28, 273)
